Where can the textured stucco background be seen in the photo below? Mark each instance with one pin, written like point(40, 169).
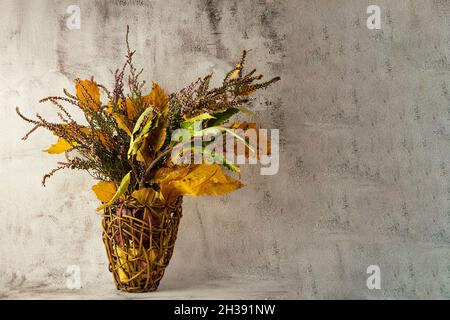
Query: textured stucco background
point(365, 147)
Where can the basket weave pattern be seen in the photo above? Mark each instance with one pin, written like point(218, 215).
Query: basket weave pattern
point(139, 242)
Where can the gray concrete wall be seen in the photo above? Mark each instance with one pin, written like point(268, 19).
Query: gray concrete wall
point(365, 143)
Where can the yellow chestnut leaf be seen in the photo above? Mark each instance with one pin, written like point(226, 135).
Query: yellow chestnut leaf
point(197, 180)
point(132, 109)
point(104, 190)
point(143, 153)
point(158, 99)
point(160, 139)
point(62, 145)
point(122, 123)
point(146, 196)
point(157, 137)
point(88, 93)
point(162, 173)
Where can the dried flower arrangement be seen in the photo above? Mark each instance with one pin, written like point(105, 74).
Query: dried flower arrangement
point(125, 144)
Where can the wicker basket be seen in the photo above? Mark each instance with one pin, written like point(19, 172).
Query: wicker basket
point(139, 242)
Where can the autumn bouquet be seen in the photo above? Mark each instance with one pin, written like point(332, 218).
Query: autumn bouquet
point(129, 143)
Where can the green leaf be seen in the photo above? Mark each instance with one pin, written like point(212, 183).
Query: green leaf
point(141, 118)
point(138, 136)
point(151, 124)
point(219, 129)
point(246, 111)
point(218, 158)
point(189, 124)
point(222, 116)
point(123, 187)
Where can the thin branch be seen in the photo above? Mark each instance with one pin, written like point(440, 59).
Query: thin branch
point(51, 173)
point(25, 118)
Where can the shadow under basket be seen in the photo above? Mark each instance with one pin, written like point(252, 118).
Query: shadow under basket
point(139, 242)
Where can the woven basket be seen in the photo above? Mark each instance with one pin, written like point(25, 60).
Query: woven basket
point(139, 242)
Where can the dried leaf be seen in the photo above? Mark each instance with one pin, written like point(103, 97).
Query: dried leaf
point(157, 137)
point(104, 191)
point(133, 109)
point(103, 138)
point(143, 154)
point(163, 172)
point(235, 71)
point(88, 93)
point(197, 180)
point(251, 125)
point(158, 99)
point(125, 257)
point(145, 196)
point(244, 125)
point(122, 123)
point(109, 108)
point(98, 135)
point(61, 146)
point(160, 139)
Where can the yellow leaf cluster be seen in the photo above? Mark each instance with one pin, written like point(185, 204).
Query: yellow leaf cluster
point(197, 180)
point(193, 180)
